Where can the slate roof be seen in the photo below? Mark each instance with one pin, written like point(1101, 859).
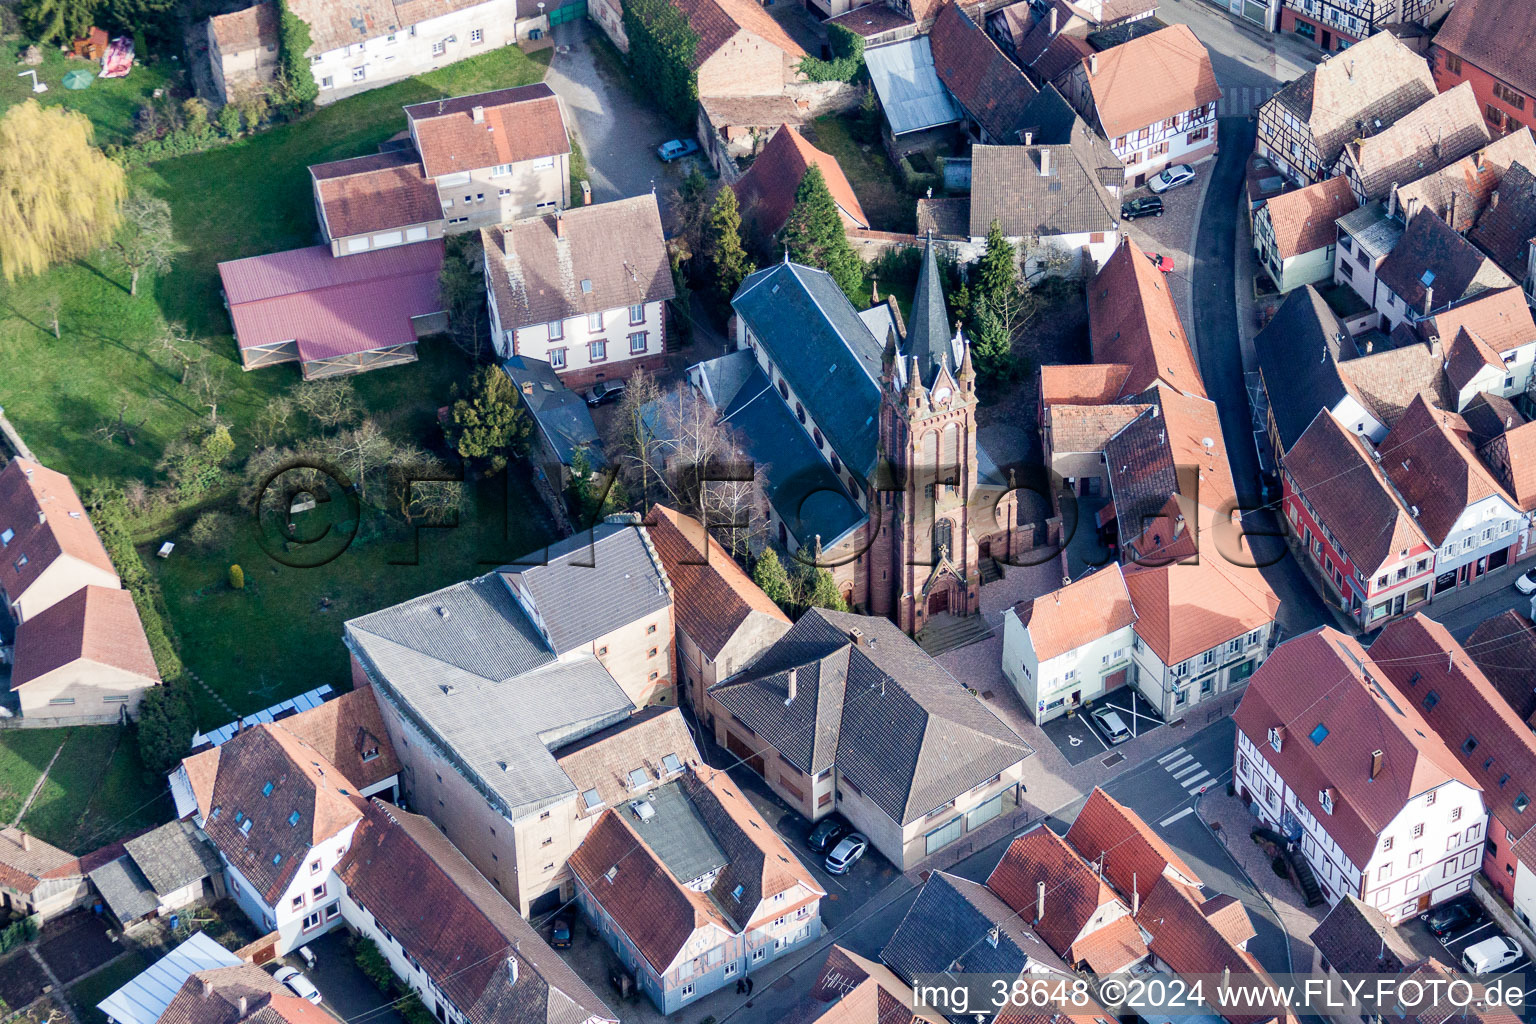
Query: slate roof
point(1305, 220)
point(1299, 352)
point(1494, 36)
point(1428, 456)
point(374, 193)
point(518, 124)
point(1504, 648)
point(1132, 319)
point(1133, 856)
point(824, 351)
point(890, 717)
point(1464, 188)
point(1326, 678)
point(767, 191)
point(1157, 456)
point(1077, 614)
point(42, 510)
point(1173, 58)
point(1506, 227)
point(714, 596)
point(942, 926)
point(1440, 132)
point(989, 86)
point(928, 338)
point(94, 624)
point(603, 761)
point(1431, 252)
point(1051, 120)
point(126, 891)
point(1488, 415)
point(173, 856)
point(562, 415)
point(910, 92)
point(717, 21)
point(451, 920)
point(1073, 891)
point(349, 731)
point(1038, 191)
point(1378, 80)
point(584, 260)
point(1356, 938)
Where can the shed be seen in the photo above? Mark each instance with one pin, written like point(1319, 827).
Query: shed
point(909, 88)
point(144, 999)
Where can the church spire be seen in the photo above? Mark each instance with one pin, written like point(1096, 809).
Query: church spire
point(928, 333)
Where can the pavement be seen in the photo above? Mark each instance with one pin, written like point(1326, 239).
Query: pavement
point(347, 991)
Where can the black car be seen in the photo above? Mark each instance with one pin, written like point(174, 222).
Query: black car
point(827, 834)
point(560, 934)
point(604, 391)
point(1456, 916)
point(1146, 206)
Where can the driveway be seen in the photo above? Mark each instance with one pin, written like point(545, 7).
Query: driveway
point(347, 991)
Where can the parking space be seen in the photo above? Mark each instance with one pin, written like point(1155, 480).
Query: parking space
point(1449, 950)
point(1075, 738)
point(1173, 234)
point(347, 991)
point(1084, 735)
point(1138, 714)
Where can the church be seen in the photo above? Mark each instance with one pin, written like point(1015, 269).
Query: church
point(864, 429)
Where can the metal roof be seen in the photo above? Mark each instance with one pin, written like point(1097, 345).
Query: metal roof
point(282, 709)
point(145, 998)
point(909, 87)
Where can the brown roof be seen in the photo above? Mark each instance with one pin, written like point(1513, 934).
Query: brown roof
point(237, 994)
point(1429, 457)
point(256, 26)
point(1506, 227)
point(1073, 893)
point(516, 125)
point(1500, 321)
point(1154, 458)
point(1356, 938)
point(1048, 56)
point(1441, 1009)
point(1084, 383)
point(333, 25)
point(1440, 132)
point(1495, 35)
point(1132, 319)
point(1078, 613)
point(1303, 220)
point(1229, 917)
point(1466, 357)
point(1058, 1011)
point(1388, 380)
point(1134, 856)
point(944, 215)
point(1087, 428)
point(93, 624)
point(981, 78)
point(716, 21)
point(1337, 471)
point(1504, 647)
point(1173, 58)
point(603, 761)
point(1512, 458)
point(1463, 189)
point(585, 260)
point(23, 868)
point(767, 191)
point(1430, 250)
point(1114, 947)
point(1324, 678)
point(713, 596)
point(853, 990)
point(871, 20)
point(374, 193)
point(349, 732)
point(755, 111)
point(453, 921)
point(42, 510)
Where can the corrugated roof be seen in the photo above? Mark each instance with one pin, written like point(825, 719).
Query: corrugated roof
point(144, 999)
point(910, 92)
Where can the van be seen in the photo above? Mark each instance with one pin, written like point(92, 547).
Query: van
point(1491, 955)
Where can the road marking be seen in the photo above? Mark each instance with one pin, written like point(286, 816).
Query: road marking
point(1175, 766)
point(1470, 932)
point(1195, 783)
point(1095, 734)
point(1507, 970)
point(1192, 768)
point(1175, 752)
point(1186, 812)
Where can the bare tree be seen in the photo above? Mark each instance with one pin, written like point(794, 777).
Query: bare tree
point(424, 488)
point(147, 240)
point(362, 451)
point(53, 305)
point(177, 343)
point(208, 387)
point(110, 430)
point(641, 448)
point(272, 423)
point(709, 473)
point(330, 402)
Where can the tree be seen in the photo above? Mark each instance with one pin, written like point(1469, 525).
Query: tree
point(207, 386)
point(165, 726)
point(236, 577)
point(272, 423)
point(461, 283)
point(991, 341)
point(195, 462)
point(709, 474)
point(728, 262)
point(689, 208)
point(330, 403)
point(59, 194)
point(293, 71)
point(815, 237)
point(661, 50)
point(488, 424)
point(147, 240)
point(769, 574)
point(56, 21)
point(363, 451)
point(53, 305)
point(424, 489)
point(817, 589)
point(593, 494)
point(998, 269)
point(211, 530)
point(641, 448)
point(184, 352)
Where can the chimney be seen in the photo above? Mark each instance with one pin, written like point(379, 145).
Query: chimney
point(1392, 200)
point(477, 114)
point(1093, 64)
point(26, 841)
point(244, 1002)
point(792, 673)
point(1493, 202)
point(1053, 21)
point(1045, 163)
point(1429, 299)
point(1039, 902)
point(1135, 896)
point(1029, 138)
point(1178, 526)
point(1226, 977)
point(207, 988)
point(1450, 215)
point(559, 224)
point(1376, 761)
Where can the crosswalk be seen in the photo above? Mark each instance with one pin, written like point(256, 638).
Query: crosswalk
point(1244, 100)
point(1187, 770)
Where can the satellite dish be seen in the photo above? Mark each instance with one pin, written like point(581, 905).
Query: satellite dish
point(1207, 441)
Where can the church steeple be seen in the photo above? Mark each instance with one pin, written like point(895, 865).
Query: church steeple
point(928, 334)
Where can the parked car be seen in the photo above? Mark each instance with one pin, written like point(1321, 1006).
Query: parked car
point(1491, 955)
point(604, 391)
point(671, 150)
point(846, 854)
point(1173, 177)
point(298, 984)
point(1111, 724)
point(1526, 584)
point(1146, 206)
point(560, 934)
point(308, 955)
point(1161, 262)
point(1451, 918)
point(827, 833)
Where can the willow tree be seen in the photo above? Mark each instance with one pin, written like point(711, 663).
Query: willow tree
point(59, 194)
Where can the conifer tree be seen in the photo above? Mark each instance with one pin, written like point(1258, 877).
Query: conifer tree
point(814, 235)
point(728, 262)
point(771, 577)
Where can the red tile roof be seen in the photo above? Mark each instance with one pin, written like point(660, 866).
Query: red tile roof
point(1078, 613)
point(1303, 220)
point(1073, 893)
point(333, 305)
point(1500, 319)
point(1428, 455)
point(1134, 856)
point(374, 193)
point(1466, 356)
point(1083, 383)
point(516, 125)
point(1111, 948)
point(349, 732)
point(1188, 608)
point(23, 869)
point(1132, 319)
point(1442, 1008)
point(45, 514)
point(713, 595)
point(853, 990)
point(255, 26)
point(1229, 917)
point(1326, 679)
point(767, 191)
point(1512, 458)
point(94, 624)
point(1173, 58)
point(717, 21)
point(1495, 35)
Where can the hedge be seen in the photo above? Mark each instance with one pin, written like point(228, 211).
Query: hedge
point(110, 517)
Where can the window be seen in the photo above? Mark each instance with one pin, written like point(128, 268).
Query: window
point(597, 350)
point(1418, 830)
point(758, 954)
point(333, 911)
point(637, 314)
point(1468, 745)
point(594, 321)
point(358, 74)
point(293, 819)
point(637, 343)
point(651, 653)
point(1430, 700)
point(1318, 734)
point(439, 48)
point(557, 358)
point(314, 866)
point(298, 901)
point(555, 329)
point(1325, 798)
point(245, 826)
point(1453, 63)
point(1415, 859)
point(650, 629)
point(311, 921)
point(1509, 95)
point(1386, 844)
point(318, 892)
point(476, 35)
point(672, 763)
point(1494, 115)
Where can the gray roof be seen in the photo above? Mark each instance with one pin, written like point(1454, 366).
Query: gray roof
point(1433, 263)
point(125, 889)
point(894, 721)
point(1356, 938)
point(944, 923)
point(561, 414)
point(824, 351)
point(797, 481)
point(173, 856)
point(677, 833)
point(1372, 229)
point(928, 336)
point(1049, 117)
point(1298, 377)
point(470, 668)
point(909, 88)
point(1039, 191)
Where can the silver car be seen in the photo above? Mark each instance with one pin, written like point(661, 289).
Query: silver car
point(846, 854)
point(1112, 725)
point(298, 984)
point(1173, 177)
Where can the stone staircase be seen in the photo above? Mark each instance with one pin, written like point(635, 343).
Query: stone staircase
point(945, 632)
point(991, 572)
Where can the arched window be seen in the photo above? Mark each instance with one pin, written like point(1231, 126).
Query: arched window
point(837, 466)
point(816, 434)
point(783, 389)
point(800, 412)
point(942, 535)
point(783, 535)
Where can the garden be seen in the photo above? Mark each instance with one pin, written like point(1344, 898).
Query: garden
point(97, 790)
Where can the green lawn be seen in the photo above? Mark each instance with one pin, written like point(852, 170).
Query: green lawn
point(110, 103)
point(84, 995)
point(98, 790)
point(24, 753)
point(870, 173)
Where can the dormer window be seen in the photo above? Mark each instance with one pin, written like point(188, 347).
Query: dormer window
point(671, 763)
point(593, 799)
point(245, 827)
point(638, 778)
point(1276, 737)
point(267, 789)
point(1325, 798)
point(6, 536)
point(293, 819)
point(1318, 734)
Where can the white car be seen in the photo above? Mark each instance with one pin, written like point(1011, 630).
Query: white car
point(1173, 177)
point(846, 854)
point(298, 984)
point(1113, 725)
point(1491, 955)
point(1526, 584)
